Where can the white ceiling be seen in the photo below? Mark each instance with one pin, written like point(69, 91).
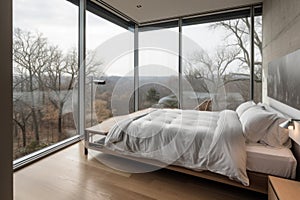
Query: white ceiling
point(152, 10)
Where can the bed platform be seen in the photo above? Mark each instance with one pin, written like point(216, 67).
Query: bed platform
point(258, 181)
point(94, 139)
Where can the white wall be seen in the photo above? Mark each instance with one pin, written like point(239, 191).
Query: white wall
point(281, 36)
point(6, 189)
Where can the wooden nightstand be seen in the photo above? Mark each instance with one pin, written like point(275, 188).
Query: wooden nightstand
point(283, 189)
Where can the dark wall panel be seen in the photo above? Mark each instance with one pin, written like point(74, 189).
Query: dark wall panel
point(6, 189)
point(284, 79)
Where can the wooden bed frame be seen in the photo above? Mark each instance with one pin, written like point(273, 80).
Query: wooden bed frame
point(258, 181)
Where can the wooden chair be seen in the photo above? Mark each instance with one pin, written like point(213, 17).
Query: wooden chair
point(205, 105)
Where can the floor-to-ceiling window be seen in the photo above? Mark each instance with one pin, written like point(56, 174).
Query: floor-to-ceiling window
point(217, 58)
point(45, 67)
point(109, 58)
point(158, 67)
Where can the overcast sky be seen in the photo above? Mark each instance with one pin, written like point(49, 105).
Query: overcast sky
point(58, 21)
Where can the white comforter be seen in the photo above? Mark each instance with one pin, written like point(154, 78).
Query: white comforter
point(193, 139)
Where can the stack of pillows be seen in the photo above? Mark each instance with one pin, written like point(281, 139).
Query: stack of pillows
point(261, 125)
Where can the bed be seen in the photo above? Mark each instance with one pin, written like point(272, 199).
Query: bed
point(224, 151)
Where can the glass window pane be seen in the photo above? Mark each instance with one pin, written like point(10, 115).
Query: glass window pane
point(110, 58)
point(158, 68)
point(44, 71)
point(216, 62)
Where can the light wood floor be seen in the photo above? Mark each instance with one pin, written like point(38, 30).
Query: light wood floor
point(68, 174)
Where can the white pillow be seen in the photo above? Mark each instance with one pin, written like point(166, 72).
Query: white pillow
point(270, 109)
point(243, 107)
point(277, 136)
point(255, 122)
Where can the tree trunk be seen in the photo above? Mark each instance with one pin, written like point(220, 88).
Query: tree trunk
point(16, 130)
point(23, 130)
point(33, 110)
point(60, 125)
point(24, 136)
point(60, 122)
point(35, 125)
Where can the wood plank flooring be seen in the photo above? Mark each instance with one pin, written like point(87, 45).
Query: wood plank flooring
point(69, 174)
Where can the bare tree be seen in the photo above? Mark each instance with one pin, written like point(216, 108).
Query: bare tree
point(61, 76)
point(239, 32)
point(213, 70)
point(93, 64)
point(59, 82)
point(21, 116)
point(44, 77)
point(55, 88)
point(32, 54)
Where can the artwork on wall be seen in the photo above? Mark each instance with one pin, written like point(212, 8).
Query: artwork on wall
point(284, 79)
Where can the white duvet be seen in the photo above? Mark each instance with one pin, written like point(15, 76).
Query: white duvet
point(197, 140)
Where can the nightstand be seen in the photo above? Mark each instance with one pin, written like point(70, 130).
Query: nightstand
point(283, 189)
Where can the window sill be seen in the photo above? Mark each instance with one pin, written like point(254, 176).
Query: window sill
point(33, 157)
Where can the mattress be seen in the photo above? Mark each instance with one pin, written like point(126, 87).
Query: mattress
point(269, 160)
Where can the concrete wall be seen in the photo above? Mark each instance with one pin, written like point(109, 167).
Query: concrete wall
point(6, 185)
point(281, 36)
